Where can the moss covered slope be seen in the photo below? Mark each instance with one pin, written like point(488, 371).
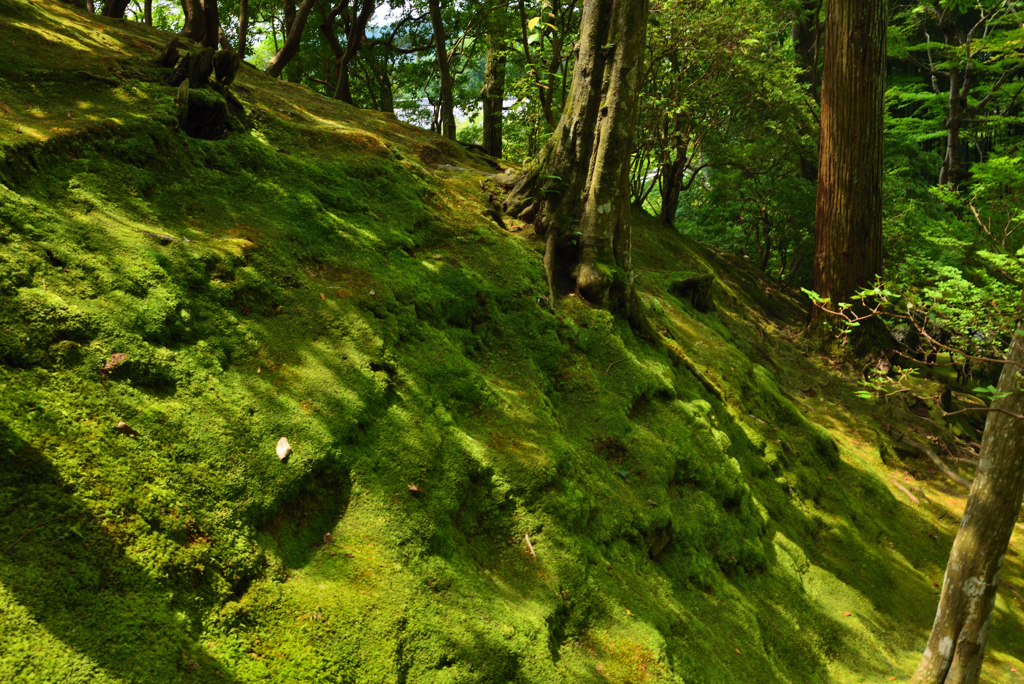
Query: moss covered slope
point(332, 279)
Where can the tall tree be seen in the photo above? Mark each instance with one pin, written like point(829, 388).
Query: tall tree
point(848, 211)
point(243, 26)
point(956, 646)
point(493, 96)
point(355, 30)
point(577, 194)
point(291, 44)
point(447, 104)
point(807, 29)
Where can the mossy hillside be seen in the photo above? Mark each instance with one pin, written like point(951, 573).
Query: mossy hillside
point(691, 515)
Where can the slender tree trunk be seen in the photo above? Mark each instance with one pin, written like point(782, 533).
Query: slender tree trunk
point(291, 45)
point(951, 169)
point(493, 96)
point(848, 213)
point(671, 187)
point(807, 46)
point(582, 174)
point(447, 123)
point(243, 27)
point(147, 12)
point(212, 19)
point(195, 20)
point(357, 31)
point(956, 646)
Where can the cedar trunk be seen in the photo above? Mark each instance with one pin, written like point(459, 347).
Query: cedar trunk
point(447, 105)
point(578, 191)
point(291, 45)
point(957, 644)
point(848, 213)
point(493, 96)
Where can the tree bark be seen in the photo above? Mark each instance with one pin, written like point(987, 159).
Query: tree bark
point(195, 20)
point(291, 45)
point(447, 111)
point(582, 174)
point(243, 27)
point(848, 212)
point(956, 646)
point(493, 96)
point(147, 12)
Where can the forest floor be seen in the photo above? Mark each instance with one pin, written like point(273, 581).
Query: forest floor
point(480, 490)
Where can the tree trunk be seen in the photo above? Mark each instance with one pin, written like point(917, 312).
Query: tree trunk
point(195, 20)
point(957, 644)
point(147, 12)
point(582, 174)
point(115, 9)
point(807, 46)
point(243, 27)
point(357, 31)
point(848, 212)
point(291, 45)
point(671, 187)
point(447, 113)
point(212, 19)
point(493, 96)
point(950, 171)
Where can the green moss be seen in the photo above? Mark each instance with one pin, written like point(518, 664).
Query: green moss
point(325, 287)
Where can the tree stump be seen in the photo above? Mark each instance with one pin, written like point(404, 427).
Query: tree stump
point(201, 68)
point(181, 72)
point(697, 289)
point(226, 64)
point(169, 57)
point(182, 101)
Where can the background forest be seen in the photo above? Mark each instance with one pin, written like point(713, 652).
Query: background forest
point(456, 385)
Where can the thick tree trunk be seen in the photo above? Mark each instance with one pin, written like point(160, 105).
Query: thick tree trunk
point(291, 45)
point(357, 31)
point(212, 19)
point(447, 112)
point(195, 20)
point(583, 172)
point(957, 644)
point(115, 9)
point(243, 27)
point(848, 213)
point(493, 96)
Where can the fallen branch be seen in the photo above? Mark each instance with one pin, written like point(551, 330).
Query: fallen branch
point(530, 546)
point(94, 77)
point(946, 470)
point(913, 499)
